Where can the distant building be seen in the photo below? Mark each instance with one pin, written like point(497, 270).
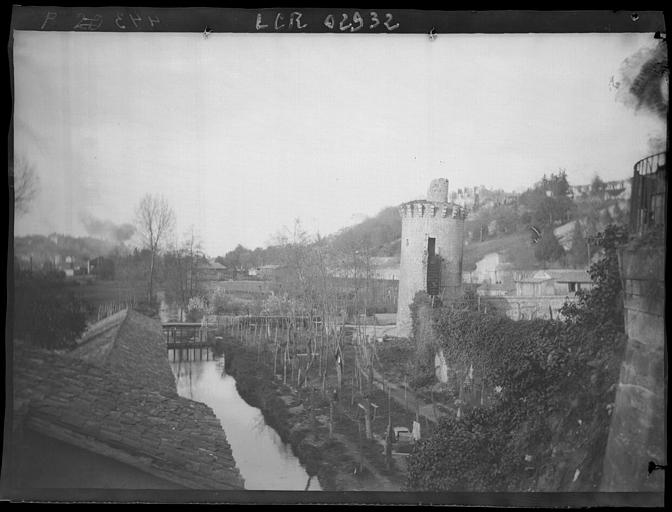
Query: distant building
point(543, 283)
point(467, 197)
point(107, 415)
point(101, 267)
point(211, 271)
point(617, 188)
point(268, 271)
point(579, 190)
point(621, 188)
point(491, 290)
point(491, 269)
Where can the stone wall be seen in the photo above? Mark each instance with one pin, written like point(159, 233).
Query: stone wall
point(528, 308)
point(637, 432)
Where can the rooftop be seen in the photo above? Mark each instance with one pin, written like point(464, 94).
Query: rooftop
point(131, 344)
point(212, 265)
point(559, 275)
point(98, 400)
point(493, 286)
point(569, 275)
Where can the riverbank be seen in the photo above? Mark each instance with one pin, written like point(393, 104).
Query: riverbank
point(301, 418)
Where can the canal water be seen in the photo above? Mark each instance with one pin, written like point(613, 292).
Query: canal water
point(264, 461)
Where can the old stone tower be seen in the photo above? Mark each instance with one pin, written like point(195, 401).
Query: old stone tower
point(432, 233)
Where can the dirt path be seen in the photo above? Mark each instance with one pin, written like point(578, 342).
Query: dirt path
point(408, 399)
point(382, 483)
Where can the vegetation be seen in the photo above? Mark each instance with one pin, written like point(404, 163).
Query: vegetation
point(603, 305)
point(25, 184)
point(548, 203)
point(180, 278)
point(548, 249)
point(155, 220)
point(534, 396)
point(46, 313)
point(579, 254)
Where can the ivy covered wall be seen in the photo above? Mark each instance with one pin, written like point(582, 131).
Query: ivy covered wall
point(535, 396)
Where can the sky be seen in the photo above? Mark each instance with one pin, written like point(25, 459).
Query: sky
point(243, 133)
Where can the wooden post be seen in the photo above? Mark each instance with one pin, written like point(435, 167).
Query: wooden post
point(388, 444)
point(390, 433)
point(361, 448)
point(331, 418)
point(275, 362)
point(405, 394)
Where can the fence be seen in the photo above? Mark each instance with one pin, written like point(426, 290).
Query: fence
point(649, 194)
point(110, 308)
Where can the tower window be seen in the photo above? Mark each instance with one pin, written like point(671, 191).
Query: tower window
point(433, 268)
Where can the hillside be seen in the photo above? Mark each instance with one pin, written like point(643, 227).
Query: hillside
point(46, 248)
point(516, 249)
point(381, 234)
point(506, 230)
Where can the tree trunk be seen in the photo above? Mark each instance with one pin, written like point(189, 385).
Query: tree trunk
point(370, 375)
point(284, 367)
point(275, 361)
point(150, 291)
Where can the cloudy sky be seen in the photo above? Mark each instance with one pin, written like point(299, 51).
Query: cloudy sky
point(242, 133)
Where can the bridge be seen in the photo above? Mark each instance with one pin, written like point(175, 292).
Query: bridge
point(187, 340)
point(186, 335)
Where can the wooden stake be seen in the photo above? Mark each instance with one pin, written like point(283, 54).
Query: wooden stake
point(331, 418)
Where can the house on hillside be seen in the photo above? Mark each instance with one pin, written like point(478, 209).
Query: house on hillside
point(552, 282)
point(107, 415)
point(211, 271)
point(492, 269)
point(467, 197)
point(621, 188)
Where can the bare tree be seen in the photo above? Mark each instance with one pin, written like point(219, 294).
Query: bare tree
point(180, 275)
point(26, 182)
point(155, 220)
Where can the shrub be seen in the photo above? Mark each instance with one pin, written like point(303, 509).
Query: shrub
point(462, 455)
point(46, 315)
point(548, 386)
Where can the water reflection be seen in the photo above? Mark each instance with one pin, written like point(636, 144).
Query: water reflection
point(265, 462)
